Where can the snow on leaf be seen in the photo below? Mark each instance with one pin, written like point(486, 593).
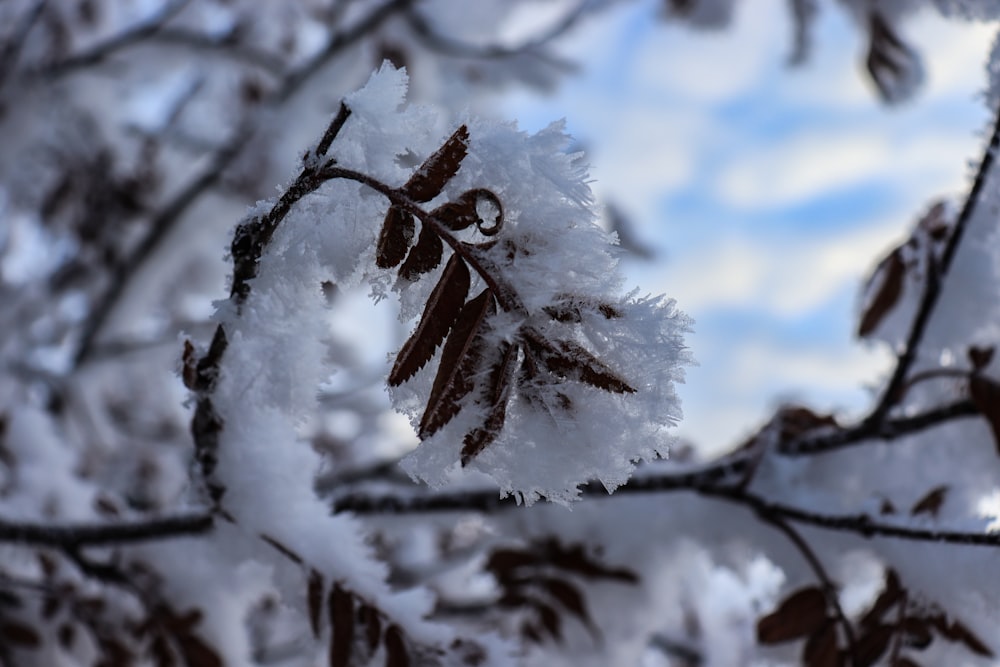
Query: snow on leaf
point(431, 177)
point(893, 65)
point(443, 307)
point(460, 357)
point(496, 396)
point(424, 256)
point(395, 237)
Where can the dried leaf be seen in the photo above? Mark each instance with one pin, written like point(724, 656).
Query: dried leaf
point(396, 654)
point(20, 634)
point(497, 393)
point(959, 633)
point(575, 559)
point(916, 632)
point(872, 644)
point(890, 272)
point(369, 618)
point(431, 177)
point(550, 620)
point(424, 256)
point(571, 360)
point(893, 65)
point(442, 309)
point(341, 609)
point(395, 238)
point(930, 503)
point(980, 357)
point(820, 650)
point(503, 562)
point(985, 394)
point(189, 366)
point(570, 598)
point(800, 615)
point(459, 359)
point(315, 600)
point(197, 653)
point(887, 599)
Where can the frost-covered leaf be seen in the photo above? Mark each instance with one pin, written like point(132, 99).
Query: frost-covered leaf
point(424, 256)
point(495, 398)
point(395, 238)
point(443, 307)
point(459, 360)
point(431, 177)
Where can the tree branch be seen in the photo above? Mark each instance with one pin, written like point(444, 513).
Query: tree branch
point(70, 537)
point(935, 279)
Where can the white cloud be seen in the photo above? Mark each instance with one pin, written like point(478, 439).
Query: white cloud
point(782, 278)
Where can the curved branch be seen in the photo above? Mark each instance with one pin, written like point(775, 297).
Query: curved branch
point(935, 280)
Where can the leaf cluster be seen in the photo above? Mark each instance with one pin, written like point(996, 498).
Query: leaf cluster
point(472, 363)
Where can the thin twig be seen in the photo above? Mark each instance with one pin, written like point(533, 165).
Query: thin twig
point(74, 536)
point(935, 280)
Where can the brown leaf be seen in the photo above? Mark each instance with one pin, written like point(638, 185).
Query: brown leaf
point(959, 633)
point(497, 392)
point(396, 654)
point(459, 360)
point(189, 366)
point(431, 177)
point(985, 394)
point(443, 307)
point(369, 618)
point(916, 632)
point(549, 619)
point(980, 357)
point(570, 598)
point(893, 65)
point(801, 614)
point(20, 634)
point(569, 309)
point(341, 609)
point(197, 653)
point(820, 650)
point(931, 503)
point(424, 256)
point(887, 599)
point(575, 559)
point(890, 272)
point(571, 360)
point(314, 598)
point(395, 238)
point(503, 562)
point(872, 644)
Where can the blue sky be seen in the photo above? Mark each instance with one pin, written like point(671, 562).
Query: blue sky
point(769, 192)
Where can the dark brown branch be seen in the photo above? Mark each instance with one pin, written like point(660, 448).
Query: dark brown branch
point(935, 281)
point(712, 482)
point(885, 431)
point(829, 589)
point(70, 537)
